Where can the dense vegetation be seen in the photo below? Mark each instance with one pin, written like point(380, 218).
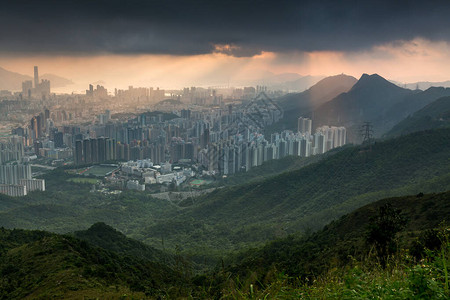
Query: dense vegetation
point(342, 261)
point(336, 262)
point(106, 237)
point(42, 265)
point(247, 215)
point(308, 198)
point(345, 239)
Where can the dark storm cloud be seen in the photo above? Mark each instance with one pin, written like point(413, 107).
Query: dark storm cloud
point(195, 27)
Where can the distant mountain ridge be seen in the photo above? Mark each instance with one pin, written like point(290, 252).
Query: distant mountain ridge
point(295, 105)
point(376, 100)
point(434, 115)
point(56, 81)
point(423, 85)
point(369, 99)
point(290, 81)
point(12, 81)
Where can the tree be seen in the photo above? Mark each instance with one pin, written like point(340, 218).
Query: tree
point(383, 229)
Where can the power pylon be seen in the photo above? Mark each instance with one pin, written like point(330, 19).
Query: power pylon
point(367, 133)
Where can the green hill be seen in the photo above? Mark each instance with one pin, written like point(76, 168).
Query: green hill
point(41, 265)
point(341, 261)
point(308, 198)
point(434, 115)
point(106, 237)
point(335, 262)
point(343, 240)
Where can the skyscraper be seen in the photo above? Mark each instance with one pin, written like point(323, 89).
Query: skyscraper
point(36, 77)
point(304, 125)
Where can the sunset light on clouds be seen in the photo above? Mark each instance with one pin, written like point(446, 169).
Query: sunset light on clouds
point(405, 61)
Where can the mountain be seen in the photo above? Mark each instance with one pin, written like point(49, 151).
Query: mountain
point(42, 265)
point(434, 115)
point(423, 85)
point(323, 91)
point(301, 104)
point(12, 81)
point(376, 100)
point(289, 81)
point(410, 105)
point(56, 81)
point(368, 100)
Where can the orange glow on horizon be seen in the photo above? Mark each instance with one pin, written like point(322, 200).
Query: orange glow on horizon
point(417, 60)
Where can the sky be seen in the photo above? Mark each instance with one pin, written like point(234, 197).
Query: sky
point(175, 43)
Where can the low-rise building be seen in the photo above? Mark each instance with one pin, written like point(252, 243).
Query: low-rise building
point(134, 185)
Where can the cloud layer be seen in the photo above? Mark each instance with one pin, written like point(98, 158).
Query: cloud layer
point(236, 28)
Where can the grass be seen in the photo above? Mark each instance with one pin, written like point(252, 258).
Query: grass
point(403, 278)
point(99, 171)
point(197, 182)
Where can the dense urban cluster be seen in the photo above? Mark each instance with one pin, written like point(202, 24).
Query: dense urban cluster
point(187, 133)
point(15, 172)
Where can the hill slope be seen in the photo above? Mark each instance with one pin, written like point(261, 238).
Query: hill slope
point(106, 237)
point(250, 214)
point(44, 265)
point(57, 81)
point(344, 239)
point(12, 81)
point(375, 100)
point(434, 115)
point(310, 197)
point(301, 104)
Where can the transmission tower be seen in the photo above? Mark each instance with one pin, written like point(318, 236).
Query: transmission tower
point(367, 134)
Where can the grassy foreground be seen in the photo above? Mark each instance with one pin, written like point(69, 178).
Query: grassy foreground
point(404, 277)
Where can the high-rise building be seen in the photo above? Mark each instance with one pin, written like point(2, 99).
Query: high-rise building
point(87, 151)
point(27, 88)
point(78, 154)
point(11, 174)
point(304, 125)
point(36, 77)
point(58, 138)
point(319, 143)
